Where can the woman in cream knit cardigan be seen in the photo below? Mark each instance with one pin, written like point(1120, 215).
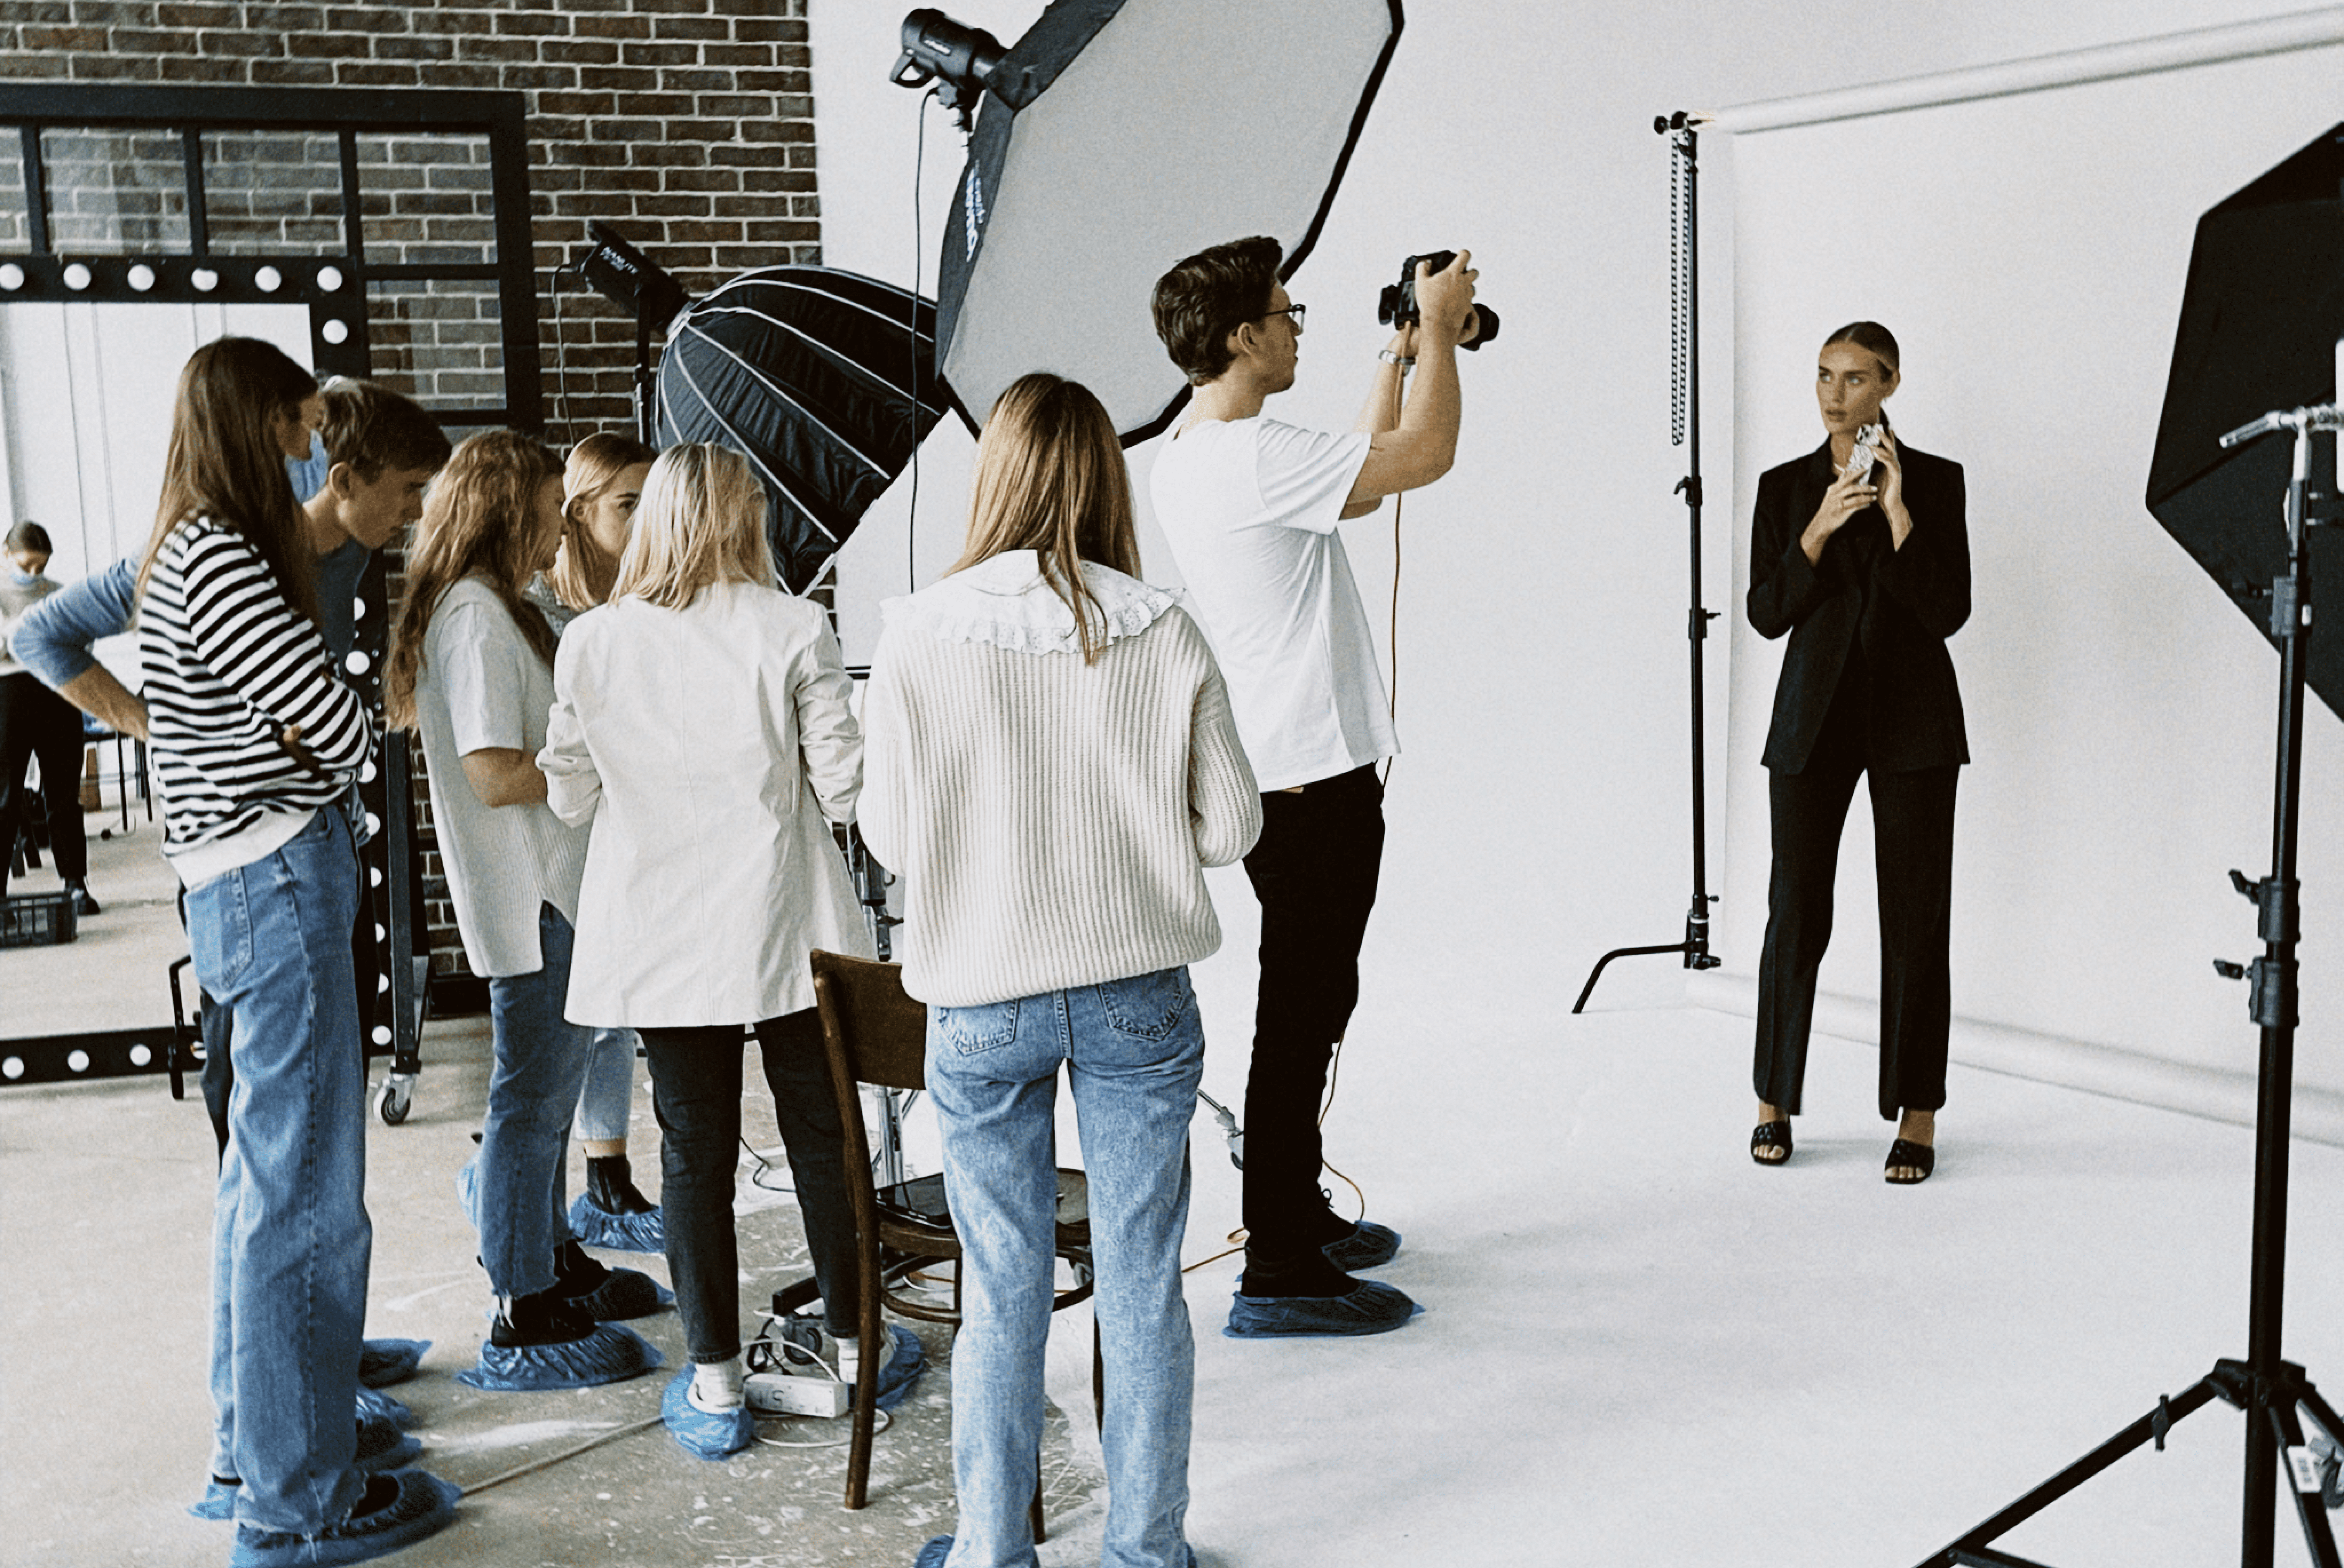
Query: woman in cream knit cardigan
point(1050, 762)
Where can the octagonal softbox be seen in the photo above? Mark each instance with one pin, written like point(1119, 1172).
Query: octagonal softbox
point(807, 372)
point(1118, 136)
point(2260, 320)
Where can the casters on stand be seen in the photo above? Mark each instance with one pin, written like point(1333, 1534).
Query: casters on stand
point(392, 1098)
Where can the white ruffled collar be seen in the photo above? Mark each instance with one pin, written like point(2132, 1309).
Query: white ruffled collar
point(1003, 600)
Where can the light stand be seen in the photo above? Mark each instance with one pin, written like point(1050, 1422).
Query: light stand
point(1684, 288)
point(2267, 1388)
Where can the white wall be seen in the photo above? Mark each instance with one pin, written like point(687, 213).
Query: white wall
point(1539, 816)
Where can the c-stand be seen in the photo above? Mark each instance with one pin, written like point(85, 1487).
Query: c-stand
point(2269, 1389)
point(1684, 282)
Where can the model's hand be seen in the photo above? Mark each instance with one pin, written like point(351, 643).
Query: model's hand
point(1445, 299)
point(1847, 496)
point(1888, 474)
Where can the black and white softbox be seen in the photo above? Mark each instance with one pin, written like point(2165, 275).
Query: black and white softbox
point(1118, 136)
point(807, 371)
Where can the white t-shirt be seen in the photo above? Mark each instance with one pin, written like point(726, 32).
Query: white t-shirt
point(1249, 508)
point(482, 685)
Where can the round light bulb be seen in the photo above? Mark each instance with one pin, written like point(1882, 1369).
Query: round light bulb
point(142, 277)
point(382, 1034)
point(268, 279)
point(13, 1068)
point(356, 663)
point(78, 1060)
point(140, 1056)
point(12, 277)
point(205, 279)
point(77, 277)
point(329, 279)
point(335, 331)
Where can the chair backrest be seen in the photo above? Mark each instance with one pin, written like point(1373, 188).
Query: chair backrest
point(875, 1032)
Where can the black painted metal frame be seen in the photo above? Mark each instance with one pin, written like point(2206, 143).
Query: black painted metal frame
point(333, 287)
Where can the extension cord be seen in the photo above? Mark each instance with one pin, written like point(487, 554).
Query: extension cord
point(779, 1393)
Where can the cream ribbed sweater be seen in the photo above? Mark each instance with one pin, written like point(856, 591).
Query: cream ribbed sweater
point(1050, 819)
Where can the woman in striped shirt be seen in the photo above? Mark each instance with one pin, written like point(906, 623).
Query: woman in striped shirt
point(255, 743)
point(471, 670)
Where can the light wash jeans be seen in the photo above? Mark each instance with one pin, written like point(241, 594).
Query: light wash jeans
point(521, 1197)
point(607, 1102)
point(291, 1241)
point(1135, 1053)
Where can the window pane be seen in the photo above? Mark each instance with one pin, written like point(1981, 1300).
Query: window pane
point(439, 342)
point(16, 232)
point(273, 191)
point(113, 192)
point(425, 199)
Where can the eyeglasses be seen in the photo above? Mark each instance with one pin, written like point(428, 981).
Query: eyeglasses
point(1296, 311)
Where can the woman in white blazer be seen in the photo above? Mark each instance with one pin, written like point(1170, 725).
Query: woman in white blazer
point(701, 722)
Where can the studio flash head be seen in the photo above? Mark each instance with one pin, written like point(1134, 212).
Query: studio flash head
point(958, 57)
point(1395, 306)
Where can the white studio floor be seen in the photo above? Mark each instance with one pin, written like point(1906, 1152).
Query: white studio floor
point(1639, 1348)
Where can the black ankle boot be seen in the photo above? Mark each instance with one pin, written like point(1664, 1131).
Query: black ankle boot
point(543, 1319)
point(610, 1186)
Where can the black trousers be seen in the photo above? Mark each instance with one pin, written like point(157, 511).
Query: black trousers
point(1314, 871)
point(36, 722)
point(1913, 844)
point(696, 1093)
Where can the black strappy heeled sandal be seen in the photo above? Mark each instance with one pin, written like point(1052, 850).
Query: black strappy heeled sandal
point(1921, 1157)
point(1771, 1135)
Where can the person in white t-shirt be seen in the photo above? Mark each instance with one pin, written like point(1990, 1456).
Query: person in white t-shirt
point(1249, 505)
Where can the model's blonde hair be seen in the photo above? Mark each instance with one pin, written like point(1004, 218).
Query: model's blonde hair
point(584, 573)
point(1050, 478)
point(701, 520)
point(479, 520)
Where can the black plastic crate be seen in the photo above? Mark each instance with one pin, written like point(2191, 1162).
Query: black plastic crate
point(37, 920)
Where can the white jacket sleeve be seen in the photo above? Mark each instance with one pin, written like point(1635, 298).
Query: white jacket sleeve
point(828, 737)
point(573, 788)
point(1224, 802)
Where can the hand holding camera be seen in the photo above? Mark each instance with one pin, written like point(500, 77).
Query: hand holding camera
point(1436, 290)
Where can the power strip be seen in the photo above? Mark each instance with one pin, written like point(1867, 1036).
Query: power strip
point(779, 1393)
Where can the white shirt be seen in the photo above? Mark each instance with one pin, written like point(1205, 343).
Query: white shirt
point(1249, 508)
point(706, 745)
point(1050, 819)
point(481, 685)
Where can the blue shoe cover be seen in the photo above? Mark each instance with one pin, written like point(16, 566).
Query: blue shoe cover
point(382, 1363)
point(1369, 1246)
point(617, 1232)
point(424, 1505)
point(382, 1445)
point(219, 1501)
point(627, 1293)
point(1372, 1309)
point(370, 1402)
point(934, 1554)
point(609, 1355)
point(902, 1370)
point(705, 1434)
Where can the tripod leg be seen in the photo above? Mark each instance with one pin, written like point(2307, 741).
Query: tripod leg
point(2310, 1507)
point(1972, 1546)
point(1581, 1005)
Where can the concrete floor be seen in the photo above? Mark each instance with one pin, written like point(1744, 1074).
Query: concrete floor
point(113, 974)
point(1638, 1349)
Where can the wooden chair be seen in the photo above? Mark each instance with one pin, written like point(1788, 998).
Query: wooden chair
point(877, 1035)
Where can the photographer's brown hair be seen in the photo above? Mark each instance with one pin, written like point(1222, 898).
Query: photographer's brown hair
point(1210, 295)
point(371, 427)
point(1050, 478)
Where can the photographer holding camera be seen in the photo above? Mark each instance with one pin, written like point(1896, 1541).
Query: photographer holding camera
point(1249, 506)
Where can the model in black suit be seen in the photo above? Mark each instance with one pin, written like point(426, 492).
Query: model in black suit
point(1870, 575)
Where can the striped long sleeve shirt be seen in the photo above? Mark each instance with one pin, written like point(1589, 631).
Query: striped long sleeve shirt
point(229, 665)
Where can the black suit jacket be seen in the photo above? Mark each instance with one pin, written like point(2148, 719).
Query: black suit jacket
point(1901, 603)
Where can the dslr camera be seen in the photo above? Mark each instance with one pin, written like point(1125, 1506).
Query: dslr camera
point(1397, 305)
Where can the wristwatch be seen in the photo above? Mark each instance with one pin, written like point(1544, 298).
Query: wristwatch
point(1404, 361)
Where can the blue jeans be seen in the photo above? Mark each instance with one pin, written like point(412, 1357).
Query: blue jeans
point(291, 1241)
point(607, 1102)
point(521, 1192)
point(1135, 1052)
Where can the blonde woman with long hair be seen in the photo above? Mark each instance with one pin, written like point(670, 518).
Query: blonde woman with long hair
point(702, 725)
point(1051, 764)
point(601, 485)
point(472, 671)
